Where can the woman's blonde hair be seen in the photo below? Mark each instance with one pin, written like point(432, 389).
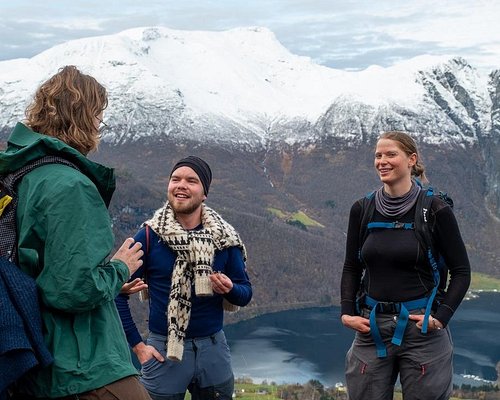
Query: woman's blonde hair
point(409, 146)
point(66, 106)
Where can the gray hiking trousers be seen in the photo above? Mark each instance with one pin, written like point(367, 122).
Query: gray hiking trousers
point(424, 364)
point(205, 370)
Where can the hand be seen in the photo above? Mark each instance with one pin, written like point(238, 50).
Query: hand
point(133, 286)
point(434, 324)
point(360, 324)
point(146, 352)
point(221, 284)
point(130, 253)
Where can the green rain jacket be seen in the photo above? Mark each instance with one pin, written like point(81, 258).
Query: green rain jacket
point(64, 239)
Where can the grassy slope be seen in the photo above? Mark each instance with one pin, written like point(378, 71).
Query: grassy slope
point(484, 282)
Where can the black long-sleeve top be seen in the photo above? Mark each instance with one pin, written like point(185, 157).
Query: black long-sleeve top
point(397, 266)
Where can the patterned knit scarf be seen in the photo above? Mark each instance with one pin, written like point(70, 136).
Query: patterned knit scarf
point(194, 251)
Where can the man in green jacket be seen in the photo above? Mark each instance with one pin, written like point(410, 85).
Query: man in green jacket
point(64, 240)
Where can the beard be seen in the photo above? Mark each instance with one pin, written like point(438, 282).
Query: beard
point(184, 208)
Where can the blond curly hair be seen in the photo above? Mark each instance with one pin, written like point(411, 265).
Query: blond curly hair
point(66, 107)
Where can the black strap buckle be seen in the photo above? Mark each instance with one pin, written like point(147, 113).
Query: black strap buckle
point(388, 307)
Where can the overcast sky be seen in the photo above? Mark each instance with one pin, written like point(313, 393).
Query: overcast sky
point(340, 34)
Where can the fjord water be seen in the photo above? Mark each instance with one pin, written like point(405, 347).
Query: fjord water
point(299, 345)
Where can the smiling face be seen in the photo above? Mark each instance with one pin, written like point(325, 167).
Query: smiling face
point(185, 193)
point(394, 166)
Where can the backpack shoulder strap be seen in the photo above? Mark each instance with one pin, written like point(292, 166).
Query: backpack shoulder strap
point(8, 227)
point(367, 209)
point(424, 235)
point(144, 293)
point(422, 223)
point(367, 204)
point(11, 179)
point(148, 236)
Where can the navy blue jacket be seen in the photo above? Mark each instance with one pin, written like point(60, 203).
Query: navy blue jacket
point(21, 339)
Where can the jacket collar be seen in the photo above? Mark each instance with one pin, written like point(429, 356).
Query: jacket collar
point(25, 145)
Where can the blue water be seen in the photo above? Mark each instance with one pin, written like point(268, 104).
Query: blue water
point(299, 345)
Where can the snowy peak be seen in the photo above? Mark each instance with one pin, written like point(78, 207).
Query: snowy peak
point(243, 87)
point(462, 93)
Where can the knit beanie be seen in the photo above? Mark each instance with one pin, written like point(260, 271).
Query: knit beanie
point(199, 166)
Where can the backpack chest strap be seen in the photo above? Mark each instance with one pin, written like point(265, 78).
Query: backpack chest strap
point(391, 225)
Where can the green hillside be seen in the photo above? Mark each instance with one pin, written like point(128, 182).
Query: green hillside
point(480, 281)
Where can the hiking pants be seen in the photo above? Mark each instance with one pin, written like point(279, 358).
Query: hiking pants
point(205, 370)
point(423, 362)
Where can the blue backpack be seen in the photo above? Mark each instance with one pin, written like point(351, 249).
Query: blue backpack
point(424, 233)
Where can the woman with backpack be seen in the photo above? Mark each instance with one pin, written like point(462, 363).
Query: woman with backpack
point(393, 288)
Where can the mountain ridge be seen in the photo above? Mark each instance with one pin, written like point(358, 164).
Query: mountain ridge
point(245, 82)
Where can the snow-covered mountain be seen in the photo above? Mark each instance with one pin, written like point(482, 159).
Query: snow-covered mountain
point(242, 87)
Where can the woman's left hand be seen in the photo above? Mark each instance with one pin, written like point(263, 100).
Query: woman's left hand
point(434, 324)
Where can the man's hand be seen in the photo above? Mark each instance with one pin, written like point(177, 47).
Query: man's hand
point(146, 352)
point(221, 284)
point(133, 286)
point(360, 324)
point(130, 253)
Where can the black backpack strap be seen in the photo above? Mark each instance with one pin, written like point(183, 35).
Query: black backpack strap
point(367, 204)
point(423, 231)
point(423, 225)
point(8, 183)
point(12, 179)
